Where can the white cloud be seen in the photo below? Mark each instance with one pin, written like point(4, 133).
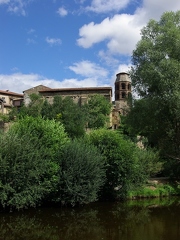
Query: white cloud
point(153, 9)
point(31, 31)
point(4, 1)
point(88, 69)
point(19, 82)
point(16, 6)
point(122, 32)
point(103, 6)
point(53, 41)
point(123, 68)
point(62, 11)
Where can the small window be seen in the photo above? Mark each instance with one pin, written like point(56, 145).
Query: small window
point(117, 96)
point(123, 95)
point(129, 87)
point(123, 86)
point(116, 86)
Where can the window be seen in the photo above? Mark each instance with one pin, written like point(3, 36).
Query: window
point(123, 95)
point(117, 86)
point(123, 86)
point(117, 96)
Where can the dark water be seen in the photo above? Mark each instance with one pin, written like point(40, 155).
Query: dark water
point(133, 220)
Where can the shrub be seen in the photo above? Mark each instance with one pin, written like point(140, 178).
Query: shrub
point(48, 133)
point(24, 172)
point(81, 174)
point(28, 167)
point(150, 161)
point(125, 169)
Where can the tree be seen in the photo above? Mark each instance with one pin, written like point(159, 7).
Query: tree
point(98, 109)
point(156, 79)
point(34, 107)
point(68, 113)
point(127, 166)
point(81, 173)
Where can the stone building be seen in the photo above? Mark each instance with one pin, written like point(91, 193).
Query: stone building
point(30, 91)
point(8, 100)
point(122, 92)
point(80, 95)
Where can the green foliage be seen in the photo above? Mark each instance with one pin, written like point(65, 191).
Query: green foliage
point(34, 107)
point(25, 177)
point(150, 161)
point(68, 113)
point(4, 118)
point(81, 173)
point(98, 109)
point(49, 133)
point(124, 169)
point(155, 78)
point(28, 161)
point(161, 190)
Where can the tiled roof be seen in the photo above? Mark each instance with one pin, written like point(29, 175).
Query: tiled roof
point(10, 93)
point(76, 89)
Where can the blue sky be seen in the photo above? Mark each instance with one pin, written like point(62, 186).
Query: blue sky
point(71, 43)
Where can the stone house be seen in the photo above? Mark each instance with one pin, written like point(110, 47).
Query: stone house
point(8, 100)
point(122, 90)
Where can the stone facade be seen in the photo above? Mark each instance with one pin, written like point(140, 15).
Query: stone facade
point(8, 100)
point(30, 91)
point(80, 95)
point(122, 91)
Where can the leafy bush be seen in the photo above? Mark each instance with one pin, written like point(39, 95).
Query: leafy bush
point(150, 161)
point(126, 166)
point(81, 174)
point(28, 167)
point(24, 172)
point(49, 133)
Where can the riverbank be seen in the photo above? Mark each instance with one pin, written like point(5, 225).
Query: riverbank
point(156, 187)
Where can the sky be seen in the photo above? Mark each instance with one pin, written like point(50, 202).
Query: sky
point(71, 43)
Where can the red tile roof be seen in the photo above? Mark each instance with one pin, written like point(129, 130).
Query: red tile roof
point(7, 92)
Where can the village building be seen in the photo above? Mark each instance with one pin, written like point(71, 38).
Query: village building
point(8, 100)
point(122, 90)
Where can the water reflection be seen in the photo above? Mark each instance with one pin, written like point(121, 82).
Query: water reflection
point(150, 220)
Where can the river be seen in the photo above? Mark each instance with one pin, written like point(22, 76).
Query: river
point(155, 219)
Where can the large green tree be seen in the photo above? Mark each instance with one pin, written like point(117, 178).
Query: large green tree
point(156, 79)
point(97, 111)
point(67, 112)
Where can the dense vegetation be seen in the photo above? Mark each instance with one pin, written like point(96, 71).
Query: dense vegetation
point(46, 156)
point(41, 164)
point(156, 79)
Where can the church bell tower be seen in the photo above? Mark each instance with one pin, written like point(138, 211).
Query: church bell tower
point(122, 91)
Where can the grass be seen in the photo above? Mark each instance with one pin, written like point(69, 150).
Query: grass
point(155, 190)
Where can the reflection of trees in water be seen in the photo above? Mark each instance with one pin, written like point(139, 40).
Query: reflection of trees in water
point(25, 228)
point(106, 221)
